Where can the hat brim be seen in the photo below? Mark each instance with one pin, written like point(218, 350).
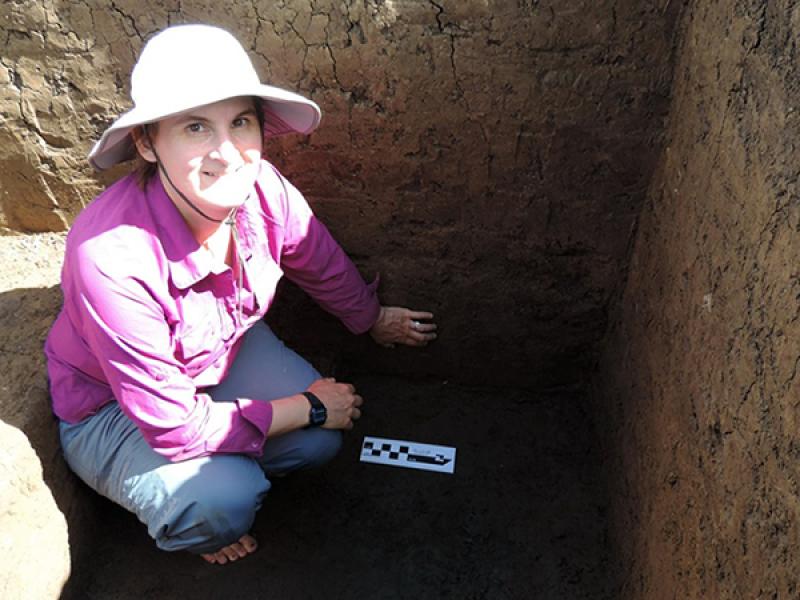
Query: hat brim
point(284, 112)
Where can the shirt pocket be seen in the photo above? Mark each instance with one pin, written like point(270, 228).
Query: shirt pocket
point(263, 274)
point(204, 329)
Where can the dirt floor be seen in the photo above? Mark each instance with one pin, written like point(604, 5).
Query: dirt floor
point(522, 517)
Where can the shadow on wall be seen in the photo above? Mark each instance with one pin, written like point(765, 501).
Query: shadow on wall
point(490, 357)
point(699, 382)
point(43, 507)
point(491, 155)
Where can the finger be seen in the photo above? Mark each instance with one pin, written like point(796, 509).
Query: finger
point(238, 549)
point(421, 338)
point(355, 414)
point(358, 400)
point(220, 557)
point(424, 327)
point(416, 314)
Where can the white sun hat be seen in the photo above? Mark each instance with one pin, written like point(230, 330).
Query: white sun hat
point(187, 66)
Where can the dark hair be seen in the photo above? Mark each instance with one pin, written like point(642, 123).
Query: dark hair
point(145, 169)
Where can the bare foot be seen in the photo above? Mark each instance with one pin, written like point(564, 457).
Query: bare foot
point(247, 544)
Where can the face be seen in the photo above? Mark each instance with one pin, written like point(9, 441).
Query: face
point(211, 153)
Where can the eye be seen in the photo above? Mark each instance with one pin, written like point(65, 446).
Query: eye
point(195, 127)
point(241, 122)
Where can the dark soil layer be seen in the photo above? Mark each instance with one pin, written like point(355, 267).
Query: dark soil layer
point(522, 517)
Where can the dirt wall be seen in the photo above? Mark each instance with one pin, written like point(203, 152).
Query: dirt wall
point(45, 513)
point(699, 382)
point(486, 157)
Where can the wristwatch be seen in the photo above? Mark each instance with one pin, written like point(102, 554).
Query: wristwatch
point(318, 413)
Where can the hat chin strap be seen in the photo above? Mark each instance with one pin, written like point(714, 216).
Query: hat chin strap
point(227, 220)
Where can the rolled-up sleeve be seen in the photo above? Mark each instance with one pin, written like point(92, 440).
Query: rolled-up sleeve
point(124, 324)
point(316, 262)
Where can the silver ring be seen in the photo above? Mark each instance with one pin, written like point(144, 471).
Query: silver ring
point(415, 325)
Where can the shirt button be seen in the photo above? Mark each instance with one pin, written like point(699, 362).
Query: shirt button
point(254, 445)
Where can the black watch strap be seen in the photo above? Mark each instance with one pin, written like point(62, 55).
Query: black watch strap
point(318, 413)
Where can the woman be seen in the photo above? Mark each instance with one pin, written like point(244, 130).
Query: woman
point(175, 400)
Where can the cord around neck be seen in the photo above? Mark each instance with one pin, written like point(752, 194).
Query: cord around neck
point(227, 220)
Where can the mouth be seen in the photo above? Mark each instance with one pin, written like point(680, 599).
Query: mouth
point(228, 182)
point(215, 175)
point(226, 173)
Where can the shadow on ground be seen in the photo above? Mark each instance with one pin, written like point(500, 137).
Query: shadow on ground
point(522, 517)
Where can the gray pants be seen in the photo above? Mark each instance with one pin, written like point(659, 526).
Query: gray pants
point(201, 504)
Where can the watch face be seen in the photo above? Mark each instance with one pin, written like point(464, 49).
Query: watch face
point(318, 415)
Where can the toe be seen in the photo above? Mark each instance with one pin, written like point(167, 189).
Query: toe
point(249, 543)
point(238, 549)
point(230, 553)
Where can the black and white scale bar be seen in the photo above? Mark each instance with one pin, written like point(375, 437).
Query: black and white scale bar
point(411, 455)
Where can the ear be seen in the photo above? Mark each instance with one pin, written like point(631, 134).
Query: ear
point(142, 142)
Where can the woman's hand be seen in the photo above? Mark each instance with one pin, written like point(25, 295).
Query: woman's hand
point(340, 400)
point(396, 325)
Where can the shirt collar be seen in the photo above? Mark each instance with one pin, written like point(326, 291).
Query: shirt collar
point(188, 261)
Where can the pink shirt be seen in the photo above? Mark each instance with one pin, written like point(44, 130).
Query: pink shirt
point(149, 319)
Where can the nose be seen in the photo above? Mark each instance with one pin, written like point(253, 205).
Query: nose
point(226, 151)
